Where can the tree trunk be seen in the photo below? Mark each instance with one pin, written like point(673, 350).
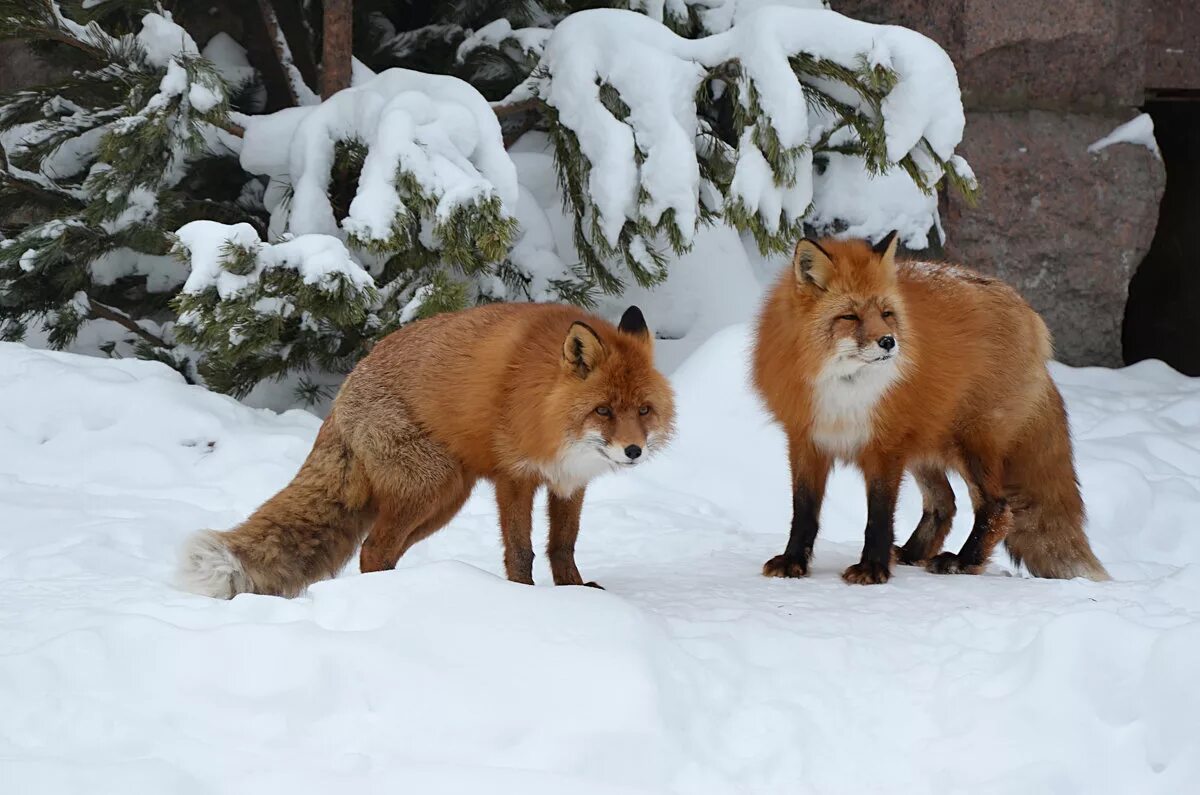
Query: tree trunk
point(281, 75)
point(338, 41)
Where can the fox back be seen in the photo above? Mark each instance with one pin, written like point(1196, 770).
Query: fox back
point(523, 388)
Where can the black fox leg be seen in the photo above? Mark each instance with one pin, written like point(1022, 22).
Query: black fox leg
point(810, 471)
point(937, 515)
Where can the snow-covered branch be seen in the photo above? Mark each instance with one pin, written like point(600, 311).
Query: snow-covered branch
point(645, 158)
point(435, 174)
point(260, 309)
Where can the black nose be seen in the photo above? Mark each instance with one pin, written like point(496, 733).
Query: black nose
point(632, 451)
point(887, 342)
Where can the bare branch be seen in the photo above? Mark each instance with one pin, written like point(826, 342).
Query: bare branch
point(102, 312)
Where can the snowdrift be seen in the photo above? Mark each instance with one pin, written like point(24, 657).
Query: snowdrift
point(691, 674)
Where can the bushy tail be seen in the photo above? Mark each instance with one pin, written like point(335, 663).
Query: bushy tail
point(1048, 515)
point(304, 533)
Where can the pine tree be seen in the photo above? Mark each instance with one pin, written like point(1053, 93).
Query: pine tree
point(130, 146)
point(394, 200)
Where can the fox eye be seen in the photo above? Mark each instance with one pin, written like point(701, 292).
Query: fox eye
point(644, 410)
point(848, 317)
point(604, 411)
point(888, 313)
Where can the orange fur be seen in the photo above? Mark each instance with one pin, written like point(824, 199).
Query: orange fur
point(965, 387)
point(523, 395)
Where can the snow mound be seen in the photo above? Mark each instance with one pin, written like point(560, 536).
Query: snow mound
point(692, 674)
point(436, 129)
point(1139, 130)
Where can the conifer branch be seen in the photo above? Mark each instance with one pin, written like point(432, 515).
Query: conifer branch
point(100, 311)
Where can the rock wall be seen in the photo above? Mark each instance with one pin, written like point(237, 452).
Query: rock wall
point(1066, 227)
point(1042, 81)
point(1173, 45)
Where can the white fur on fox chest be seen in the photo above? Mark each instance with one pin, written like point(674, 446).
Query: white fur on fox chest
point(578, 462)
point(844, 402)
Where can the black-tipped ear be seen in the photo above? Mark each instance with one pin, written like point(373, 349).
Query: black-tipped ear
point(634, 322)
point(812, 264)
point(582, 349)
point(886, 243)
point(886, 249)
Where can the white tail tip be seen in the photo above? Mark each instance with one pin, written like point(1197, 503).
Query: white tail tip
point(208, 567)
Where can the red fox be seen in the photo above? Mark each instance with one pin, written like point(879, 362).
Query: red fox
point(920, 367)
point(523, 395)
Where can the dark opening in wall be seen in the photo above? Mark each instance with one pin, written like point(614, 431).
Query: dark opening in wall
point(1162, 316)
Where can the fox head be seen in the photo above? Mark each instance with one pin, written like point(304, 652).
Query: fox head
point(848, 298)
point(619, 407)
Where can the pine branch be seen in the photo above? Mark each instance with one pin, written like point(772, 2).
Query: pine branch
point(41, 20)
point(99, 311)
point(512, 109)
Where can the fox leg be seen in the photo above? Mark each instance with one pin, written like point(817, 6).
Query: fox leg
point(451, 505)
point(883, 477)
point(396, 530)
point(514, 498)
point(993, 517)
point(415, 481)
point(564, 529)
point(810, 472)
point(937, 515)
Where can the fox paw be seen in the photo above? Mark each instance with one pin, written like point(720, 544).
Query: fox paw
point(785, 566)
point(950, 563)
point(867, 574)
point(905, 557)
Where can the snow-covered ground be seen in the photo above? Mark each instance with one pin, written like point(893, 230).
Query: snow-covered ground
point(690, 674)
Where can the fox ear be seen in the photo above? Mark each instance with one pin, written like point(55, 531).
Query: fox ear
point(812, 264)
point(582, 349)
point(886, 249)
point(633, 323)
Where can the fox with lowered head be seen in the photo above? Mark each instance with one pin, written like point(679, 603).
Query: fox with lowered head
point(523, 395)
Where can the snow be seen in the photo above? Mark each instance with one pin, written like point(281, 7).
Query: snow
point(439, 129)
point(852, 202)
point(229, 59)
point(706, 290)
point(163, 40)
point(715, 16)
point(718, 16)
point(173, 83)
point(690, 674)
point(717, 283)
point(531, 40)
point(1138, 130)
point(203, 98)
point(319, 259)
point(141, 204)
point(619, 48)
